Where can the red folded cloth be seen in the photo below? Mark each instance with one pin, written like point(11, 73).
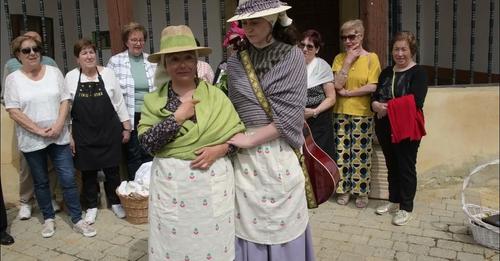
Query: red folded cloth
point(406, 120)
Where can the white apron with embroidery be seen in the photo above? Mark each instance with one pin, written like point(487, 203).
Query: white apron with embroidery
point(191, 212)
point(271, 206)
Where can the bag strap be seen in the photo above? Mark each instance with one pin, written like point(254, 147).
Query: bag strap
point(254, 82)
point(259, 93)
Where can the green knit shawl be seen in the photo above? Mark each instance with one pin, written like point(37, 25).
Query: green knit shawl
point(217, 121)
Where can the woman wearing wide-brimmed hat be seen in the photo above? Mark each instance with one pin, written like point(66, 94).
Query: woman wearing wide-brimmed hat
point(271, 208)
point(185, 124)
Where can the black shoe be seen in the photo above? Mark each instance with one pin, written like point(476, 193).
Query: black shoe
point(6, 239)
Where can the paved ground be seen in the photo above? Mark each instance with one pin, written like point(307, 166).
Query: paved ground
point(438, 232)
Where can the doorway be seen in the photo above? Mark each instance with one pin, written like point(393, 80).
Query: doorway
point(321, 15)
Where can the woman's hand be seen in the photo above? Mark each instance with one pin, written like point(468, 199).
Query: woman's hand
point(55, 130)
point(343, 92)
point(125, 136)
point(308, 113)
point(353, 53)
point(72, 145)
point(126, 130)
point(208, 155)
point(185, 111)
point(380, 108)
point(257, 137)
point(242, 140)
point(43, 132)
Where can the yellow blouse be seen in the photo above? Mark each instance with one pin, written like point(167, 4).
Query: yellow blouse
point(364, 70)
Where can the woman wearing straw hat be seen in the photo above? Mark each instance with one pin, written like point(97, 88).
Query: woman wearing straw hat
point(271, 209)
point(185, 124)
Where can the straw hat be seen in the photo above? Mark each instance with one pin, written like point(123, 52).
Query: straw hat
point(177, 38)
point(248, 9)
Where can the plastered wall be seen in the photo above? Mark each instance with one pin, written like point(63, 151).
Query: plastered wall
point(462, 130)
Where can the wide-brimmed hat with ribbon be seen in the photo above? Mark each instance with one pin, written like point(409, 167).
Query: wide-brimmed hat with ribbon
point(177, 38)
point(248, 9)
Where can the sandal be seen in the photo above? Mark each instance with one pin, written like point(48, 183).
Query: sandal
point(343, 198)
point(361, 201)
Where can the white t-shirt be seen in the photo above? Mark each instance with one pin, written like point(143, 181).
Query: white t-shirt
point(39, 101)
point(111, 85)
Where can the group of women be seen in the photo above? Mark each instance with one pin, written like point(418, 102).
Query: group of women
point(197, 195)
point(39, 102)
point(394, 96)
point(350, 98)
point(204, 204)
point(102, 103)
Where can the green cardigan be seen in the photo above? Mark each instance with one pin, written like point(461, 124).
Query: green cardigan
point(217, 121)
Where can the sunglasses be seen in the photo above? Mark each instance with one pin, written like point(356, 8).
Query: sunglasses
point(351, 37)
point(309, 47)
point(136, 41)
point(35, 49)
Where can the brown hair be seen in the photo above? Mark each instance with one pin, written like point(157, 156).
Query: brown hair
point(15, 45)
point(287, 34)
point(356, 25)
point(407, 36)
point(82, 44)
point(130, 27)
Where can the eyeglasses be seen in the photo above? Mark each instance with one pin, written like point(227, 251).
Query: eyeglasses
point(35, 49)
point(351, 37)
point(309, 47)
point(136, 40)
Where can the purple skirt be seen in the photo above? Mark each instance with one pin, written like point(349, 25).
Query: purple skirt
point(299, 249)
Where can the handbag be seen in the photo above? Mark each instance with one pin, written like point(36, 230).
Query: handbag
point(257, 89)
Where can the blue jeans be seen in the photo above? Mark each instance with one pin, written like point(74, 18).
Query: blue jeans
point(63, 165)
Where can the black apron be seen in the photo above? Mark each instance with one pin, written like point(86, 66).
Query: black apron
point(97, 130)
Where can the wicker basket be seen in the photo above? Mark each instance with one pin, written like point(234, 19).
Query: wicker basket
point(483, 233)
point(136, 208)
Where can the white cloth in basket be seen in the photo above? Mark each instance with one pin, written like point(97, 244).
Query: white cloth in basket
point(143, 174)
point(130, 187)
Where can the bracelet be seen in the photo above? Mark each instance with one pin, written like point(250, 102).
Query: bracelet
point(129, 130)
point(315, 113)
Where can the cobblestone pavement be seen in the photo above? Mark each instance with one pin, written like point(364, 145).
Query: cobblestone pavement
point(437, 232)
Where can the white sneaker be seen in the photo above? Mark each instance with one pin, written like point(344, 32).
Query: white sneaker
point(118, 210)
point(401, 218)
point(24, 211)
point(49, 228)
point(389, 207)
point(55, 206)
point(84, 228)
point(90, 216)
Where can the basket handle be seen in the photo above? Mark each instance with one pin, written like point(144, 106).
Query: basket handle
point(473, 172)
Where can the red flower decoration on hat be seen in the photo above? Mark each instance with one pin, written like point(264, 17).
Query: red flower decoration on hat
point(233, 32)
